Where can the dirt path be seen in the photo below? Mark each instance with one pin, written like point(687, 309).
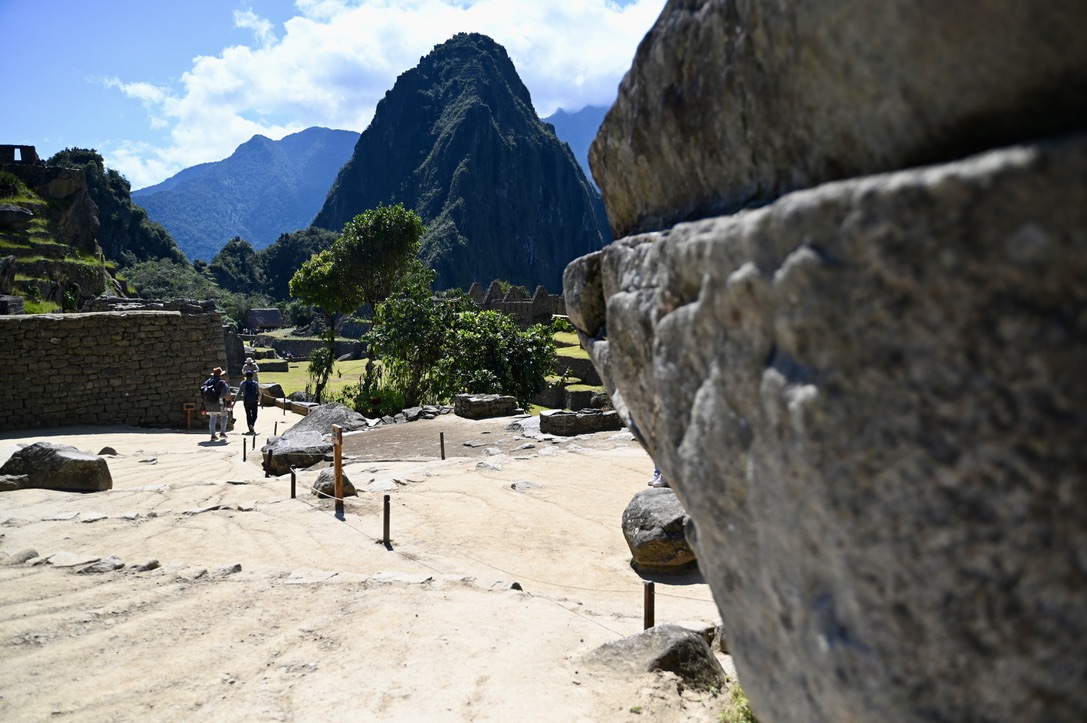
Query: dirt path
point(270, 608)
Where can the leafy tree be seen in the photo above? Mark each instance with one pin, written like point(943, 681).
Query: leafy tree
point(364, 265)
point(410, 332)
point(236, 268)
point(434, 348)
point(287, 253)
point(380, 245)
point(324, 283)
point(493, 356)
point(164, 279)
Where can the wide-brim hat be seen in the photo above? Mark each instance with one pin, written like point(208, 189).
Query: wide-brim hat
point(217, 370)
point(249, 360)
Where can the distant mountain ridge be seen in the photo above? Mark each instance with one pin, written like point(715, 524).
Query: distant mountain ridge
point(457, 140)
point(264, 189)
point(579, 128)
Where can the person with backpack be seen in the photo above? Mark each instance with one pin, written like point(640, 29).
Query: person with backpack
point(216, 393)
point(249, 391)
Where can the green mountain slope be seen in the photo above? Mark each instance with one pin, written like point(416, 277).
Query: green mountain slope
point(264, 189)
point(457, 140)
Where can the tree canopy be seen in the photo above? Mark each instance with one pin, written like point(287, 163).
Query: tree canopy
point(380, 245)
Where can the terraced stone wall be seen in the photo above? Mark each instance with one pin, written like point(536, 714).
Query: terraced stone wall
point(128, 367)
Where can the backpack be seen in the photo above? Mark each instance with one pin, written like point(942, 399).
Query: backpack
point(209, 391)
point(250, 390)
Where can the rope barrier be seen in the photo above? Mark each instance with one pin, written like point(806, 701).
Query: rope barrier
point(514, 575)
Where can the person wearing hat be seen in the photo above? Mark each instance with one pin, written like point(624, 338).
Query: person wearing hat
point(251, 366)
point(219, 410)
point(249, 391)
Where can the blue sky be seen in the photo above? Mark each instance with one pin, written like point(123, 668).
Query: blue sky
point(157, 86)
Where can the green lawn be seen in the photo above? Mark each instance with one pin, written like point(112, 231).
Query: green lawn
point(296, 379)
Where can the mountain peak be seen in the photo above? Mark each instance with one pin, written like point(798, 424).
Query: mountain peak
point(457, 140)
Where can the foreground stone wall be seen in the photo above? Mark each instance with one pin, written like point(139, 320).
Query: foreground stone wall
point(131, 367)
point(868, 393)
point(878, 431)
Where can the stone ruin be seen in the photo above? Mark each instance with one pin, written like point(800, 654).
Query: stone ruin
point(18, 154)
point(862, 375)
point(526, 311)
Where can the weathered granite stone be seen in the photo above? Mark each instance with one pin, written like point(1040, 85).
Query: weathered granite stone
point(870, 398)
point(321, 418)
point(7, 275)
point(295, 449)
point(325, 484)
point(271, 390)
point(669, 648)
point(587, 421)
point(108, 564)
point(59, 467)
point(305, 444)
point(654, 527)
point(484, 406)
point(735, 102)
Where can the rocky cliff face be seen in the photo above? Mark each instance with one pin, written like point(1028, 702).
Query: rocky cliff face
point(457, 140)
point(868, 394)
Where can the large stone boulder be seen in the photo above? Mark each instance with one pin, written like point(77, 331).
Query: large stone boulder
point(654, 525)
point(484, 406)
point(587, 421)
point(309, 441)
point(51, 466)
point(295, 449)
point(735, 102)
point(321, 418)
point(670, 648)
point(870, 398)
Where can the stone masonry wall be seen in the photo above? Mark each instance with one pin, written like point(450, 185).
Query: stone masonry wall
point(130, 367)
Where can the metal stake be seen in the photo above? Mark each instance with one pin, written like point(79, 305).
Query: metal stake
point(441, 440)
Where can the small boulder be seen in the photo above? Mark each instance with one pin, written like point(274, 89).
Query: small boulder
point(669, 648)
point(654, 525)
point(59, 467)
point(325, 486)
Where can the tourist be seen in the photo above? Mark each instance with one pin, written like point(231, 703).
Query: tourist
point(218, 411)
point(249, 391)
point(251, 366)
point(658, 480)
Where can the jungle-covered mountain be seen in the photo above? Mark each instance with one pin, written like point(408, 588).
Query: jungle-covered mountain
point(123, 227)
point(457, 140)
point(579, 129)
point(264, 189)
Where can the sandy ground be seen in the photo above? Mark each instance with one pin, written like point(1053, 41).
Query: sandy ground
point(266, 607)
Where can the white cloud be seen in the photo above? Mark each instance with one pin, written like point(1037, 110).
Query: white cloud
point(262, 29)
point(335, 59)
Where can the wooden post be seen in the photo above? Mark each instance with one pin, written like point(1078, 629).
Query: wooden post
point(244, 442)
point(441, 441)
point(275, 429)
point(294, 479)
point(385, 539)
point(649, 605)
point(337, 441)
